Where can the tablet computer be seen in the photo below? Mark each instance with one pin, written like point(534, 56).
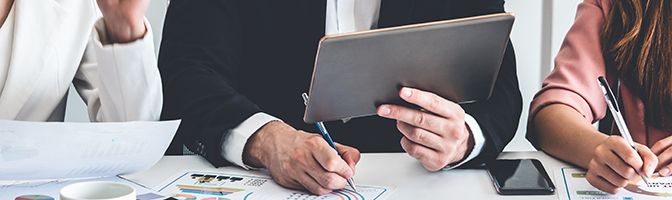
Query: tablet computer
point(457, 59)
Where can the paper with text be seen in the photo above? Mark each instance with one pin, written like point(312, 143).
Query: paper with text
point(199, 185)
point(59, 150)
point(576, 187)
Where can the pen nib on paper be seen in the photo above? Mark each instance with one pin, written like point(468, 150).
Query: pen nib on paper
point(645, 181)
point(351, 182)
point(326, 136)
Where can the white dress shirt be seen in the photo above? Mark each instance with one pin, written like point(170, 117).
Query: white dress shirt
point(6, 35)
point(343, 16)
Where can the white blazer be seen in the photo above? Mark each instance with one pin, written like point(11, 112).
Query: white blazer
point(55, 44)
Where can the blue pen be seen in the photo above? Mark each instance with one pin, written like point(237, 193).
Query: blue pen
point(325, 135)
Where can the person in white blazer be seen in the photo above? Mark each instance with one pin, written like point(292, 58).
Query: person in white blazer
point(104, 48)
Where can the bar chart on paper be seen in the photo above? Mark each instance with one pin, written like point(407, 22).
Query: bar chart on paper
point(192, 185)
point(578, 188)
point(363, 193)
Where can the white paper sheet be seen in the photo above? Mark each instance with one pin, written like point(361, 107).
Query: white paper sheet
point(58, 150)
point(574, 186)
point(52, 189)
point(203, 185)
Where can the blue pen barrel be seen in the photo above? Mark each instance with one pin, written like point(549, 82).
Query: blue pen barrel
point(325, 134)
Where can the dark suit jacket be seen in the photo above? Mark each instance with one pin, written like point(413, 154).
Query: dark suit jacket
point(221, 61)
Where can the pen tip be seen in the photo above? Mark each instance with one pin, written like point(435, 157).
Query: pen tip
point(351, 182)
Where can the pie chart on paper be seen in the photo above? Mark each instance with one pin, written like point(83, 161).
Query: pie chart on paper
point(34, 197)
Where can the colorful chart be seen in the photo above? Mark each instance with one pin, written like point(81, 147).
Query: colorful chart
point(209, 178)
point(186, 196)
point(215, 198)
point(209, 186)
point(223, 186)
point(656, 188)
point(577, 187)
point(348, 195)
point(363, 193)
point(193, 197)
point(34, 197)
point(215, 191)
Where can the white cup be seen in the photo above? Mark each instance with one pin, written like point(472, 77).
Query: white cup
point(97, 190)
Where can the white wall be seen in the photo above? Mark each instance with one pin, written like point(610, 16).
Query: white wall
point(537, 34)
point(76, 109)
point(526, 37)
point(562, 21)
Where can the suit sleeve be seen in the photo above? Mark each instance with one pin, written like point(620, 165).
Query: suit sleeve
point(198, 61)
point(498, 117)
point(119, 82)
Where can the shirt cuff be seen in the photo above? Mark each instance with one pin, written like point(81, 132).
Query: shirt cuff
point(479, 141)
point(234, 141)
point(102, 38)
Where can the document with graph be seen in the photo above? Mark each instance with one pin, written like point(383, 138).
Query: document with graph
point(63, 150)
point(199, 185)
point(576, 187)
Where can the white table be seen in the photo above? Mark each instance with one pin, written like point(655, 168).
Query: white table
point(408, 178)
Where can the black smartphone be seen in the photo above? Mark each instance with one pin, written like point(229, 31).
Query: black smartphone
point(520, 177)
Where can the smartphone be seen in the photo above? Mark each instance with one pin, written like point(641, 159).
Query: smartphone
point(520, 177)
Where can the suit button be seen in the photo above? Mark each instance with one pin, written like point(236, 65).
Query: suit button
point(200, 148)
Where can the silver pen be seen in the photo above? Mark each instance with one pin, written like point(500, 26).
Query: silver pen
point(327, 137)
point(618, 118)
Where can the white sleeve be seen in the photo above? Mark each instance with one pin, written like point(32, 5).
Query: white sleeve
point(479, 141)
point(234, 142)
point(120, 82)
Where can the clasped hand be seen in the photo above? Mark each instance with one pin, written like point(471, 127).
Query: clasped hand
point(124, 19)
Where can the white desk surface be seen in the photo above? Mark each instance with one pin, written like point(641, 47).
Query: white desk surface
point(408, 178)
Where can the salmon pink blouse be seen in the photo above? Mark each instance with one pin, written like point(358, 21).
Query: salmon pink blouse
point(573, 81)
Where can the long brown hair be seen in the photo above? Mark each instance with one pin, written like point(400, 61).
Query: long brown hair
point(637, 41)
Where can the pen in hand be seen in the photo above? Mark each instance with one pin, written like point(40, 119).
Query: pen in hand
point(327, 137)
point(618, 118)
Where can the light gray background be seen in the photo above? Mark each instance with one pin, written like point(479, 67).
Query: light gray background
point(537, 35)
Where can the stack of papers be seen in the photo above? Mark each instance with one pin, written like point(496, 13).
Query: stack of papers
point(58, 150)
point(37, 159)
